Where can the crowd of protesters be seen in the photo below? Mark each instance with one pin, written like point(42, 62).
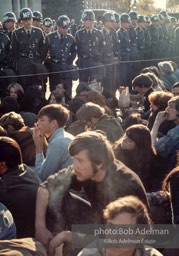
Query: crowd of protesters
point(95, 157)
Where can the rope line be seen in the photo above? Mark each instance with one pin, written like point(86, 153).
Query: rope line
point(94, 67)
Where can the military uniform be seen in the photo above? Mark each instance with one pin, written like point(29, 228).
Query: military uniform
point(155, 43)
point(62, 52)
point(90, 46)
point(27, 50)
point(125, 49)
point(4, 55)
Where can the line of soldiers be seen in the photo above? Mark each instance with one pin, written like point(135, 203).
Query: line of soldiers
point(108, 55)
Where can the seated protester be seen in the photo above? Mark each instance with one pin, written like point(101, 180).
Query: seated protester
point(175, 67)
point(73, 126)
point(82, 89)
point(22, 247)
point(33, 99)
point(143, 85)
point(7, 225)
point(65, 98)
point(127, 210)
point(16, 129)
point(58, 96)
point(171, 185)
point(51, 122)
point(3, 132)
point(133, 118)
point(9, 104)
point(110, 97)
point(97, 98)
point(153, 73)
point(167, 145)
point(175, 89)
point(18, 187)
point(167, 74)
point(103, 179)
point(135, 150)
point(158, 102)
point(15, 91)
point(94, 118)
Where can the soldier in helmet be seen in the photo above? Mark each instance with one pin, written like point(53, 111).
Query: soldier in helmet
point(90, 44)
point(125, 49)
point(37, 19)
point(108, 54)
point(9, 21)
point(62, 51)
point(155, 43)
point(133, 43)
point(28, 50)
point(4, 57)
point(47, 26)
point(141, 40)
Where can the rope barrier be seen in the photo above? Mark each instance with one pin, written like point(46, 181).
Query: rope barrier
point(94, 67)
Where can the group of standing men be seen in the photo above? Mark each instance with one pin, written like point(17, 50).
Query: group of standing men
point(112, 55)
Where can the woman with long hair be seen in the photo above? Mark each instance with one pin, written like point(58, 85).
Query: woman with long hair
point(135, 150)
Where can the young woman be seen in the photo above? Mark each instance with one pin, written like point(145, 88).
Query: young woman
point(135, 150)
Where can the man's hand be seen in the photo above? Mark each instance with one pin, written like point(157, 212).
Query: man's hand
point(38, 140)
point(161, 117)
point(59, 240)
point(44, 236)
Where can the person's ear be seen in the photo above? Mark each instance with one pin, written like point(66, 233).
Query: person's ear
point(3, 168)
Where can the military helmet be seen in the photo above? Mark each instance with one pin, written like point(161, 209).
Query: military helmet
point(155, 18)
point(125, 18)
point(108, 16)
point(141, 19)
point(133, 15)
point(48, 22)
point(25, 14)
point(117, 16)
point(9, 16)
point(63, 21)
point(88, 15)
point(37, 16)
point(148, 19)
point(164, 13)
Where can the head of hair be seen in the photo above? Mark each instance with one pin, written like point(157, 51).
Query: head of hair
point(133, 118)
point(75, 104)
point(88, 111)
point(174, 65)
point(96, 97)
point(166, 67)
point(9, 104)
point(152, 69)
point(13, 119)
point(160, 99)
point(10, 152)
point(82, 87)
point(128, 204)
point(17, 87)
point(55, 112)
point(92, 142)
point(57, 96)
point(142, 80)
point(165, 184)
point(175, 100)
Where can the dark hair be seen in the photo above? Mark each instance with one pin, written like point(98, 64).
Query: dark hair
point(82, 87)
point(75, 104)
point(9, 104)
point(55, 112)
point(10, 152)
point(175, 100)
point(173, 173)
point(93, 142)
point(88, 111)
point(128, 204)
point(13, 119)
point(142, 80)
point(139, 159)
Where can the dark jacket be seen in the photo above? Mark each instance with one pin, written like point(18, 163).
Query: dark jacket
point(18, 189)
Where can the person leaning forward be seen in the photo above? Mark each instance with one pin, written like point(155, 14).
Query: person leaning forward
point(102, 177)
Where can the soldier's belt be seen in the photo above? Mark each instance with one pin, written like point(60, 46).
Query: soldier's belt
point(25, 55)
